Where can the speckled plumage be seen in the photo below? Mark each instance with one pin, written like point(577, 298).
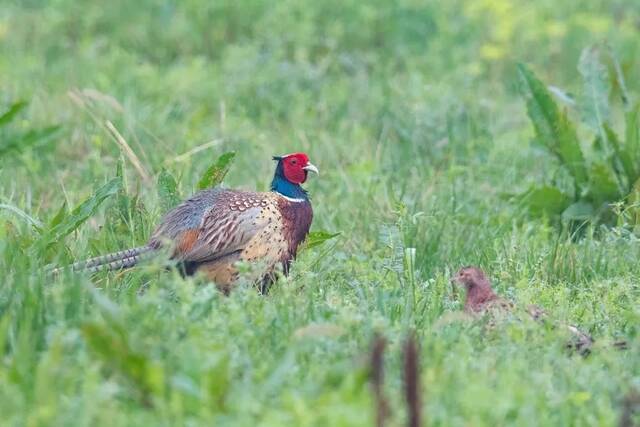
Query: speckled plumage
point(217, 228)
point(227, 226)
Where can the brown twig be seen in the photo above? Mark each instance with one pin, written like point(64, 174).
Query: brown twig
point(377, 380)
point(412, 382)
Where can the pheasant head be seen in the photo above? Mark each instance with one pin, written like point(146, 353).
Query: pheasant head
point(478, 287)
point(291, 171)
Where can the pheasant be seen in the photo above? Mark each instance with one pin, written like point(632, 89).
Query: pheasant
point(480, 298)
point(216, 228)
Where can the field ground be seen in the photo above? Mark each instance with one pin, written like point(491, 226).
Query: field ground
point(411, 111)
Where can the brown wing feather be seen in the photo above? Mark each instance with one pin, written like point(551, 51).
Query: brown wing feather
point(223, 232)
point(215, 223)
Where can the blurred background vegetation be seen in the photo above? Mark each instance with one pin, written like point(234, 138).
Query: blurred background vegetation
point(413, 111)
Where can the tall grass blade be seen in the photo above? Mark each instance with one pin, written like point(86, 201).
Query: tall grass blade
point(167, 190)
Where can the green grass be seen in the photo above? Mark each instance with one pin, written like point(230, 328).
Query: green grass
point(411, 112)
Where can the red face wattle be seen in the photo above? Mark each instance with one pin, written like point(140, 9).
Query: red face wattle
point(296, 166)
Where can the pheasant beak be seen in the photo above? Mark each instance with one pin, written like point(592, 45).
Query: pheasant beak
point(311, 168)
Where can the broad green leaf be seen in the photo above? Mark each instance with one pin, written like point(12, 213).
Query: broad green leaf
point(23, 215)
point(167, 190)
point(603, 186)
point(84, 211)
point(569, 150)
point(546, 200)
point(621, 153)
point(594, 102)
point(33, 137)
point(632, 135)
point(634, 201)
point(8, 115)
point(635, 190)
point(579, 211)
point(40, 135)
point(217, 171)
point(59, 216)
point(316, 238)
point(619, 77)
point(552, 127)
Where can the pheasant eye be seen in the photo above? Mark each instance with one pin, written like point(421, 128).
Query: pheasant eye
point(294, 161)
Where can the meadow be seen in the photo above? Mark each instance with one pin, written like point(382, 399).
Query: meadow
point(415, 115)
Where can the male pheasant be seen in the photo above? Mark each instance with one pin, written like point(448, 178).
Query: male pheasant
point(213, 230)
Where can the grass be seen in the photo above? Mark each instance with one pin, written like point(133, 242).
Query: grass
point(411, 112)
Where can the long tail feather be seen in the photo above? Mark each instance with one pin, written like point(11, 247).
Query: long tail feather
point(115, 261)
